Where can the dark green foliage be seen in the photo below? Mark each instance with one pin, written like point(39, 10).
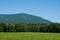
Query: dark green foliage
point(30, 27)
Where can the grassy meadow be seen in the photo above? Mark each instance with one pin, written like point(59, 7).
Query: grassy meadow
point(29, 36)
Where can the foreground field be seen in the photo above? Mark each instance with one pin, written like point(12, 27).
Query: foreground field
point(29, 36)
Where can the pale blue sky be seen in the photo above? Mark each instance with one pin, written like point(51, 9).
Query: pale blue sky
point(48, 9)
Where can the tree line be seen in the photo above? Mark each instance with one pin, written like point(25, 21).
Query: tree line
point(29, 27)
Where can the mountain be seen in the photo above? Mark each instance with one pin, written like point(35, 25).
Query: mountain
point(22, 18)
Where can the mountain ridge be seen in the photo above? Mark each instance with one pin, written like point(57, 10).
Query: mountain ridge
point(22, 18)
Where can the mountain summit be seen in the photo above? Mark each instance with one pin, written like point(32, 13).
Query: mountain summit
point(22, 18)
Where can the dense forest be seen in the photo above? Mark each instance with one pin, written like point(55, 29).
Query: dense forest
point(29, 27)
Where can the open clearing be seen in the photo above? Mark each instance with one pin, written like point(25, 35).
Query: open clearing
point(29, 36)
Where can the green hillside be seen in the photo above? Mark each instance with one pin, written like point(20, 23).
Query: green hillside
point(22, 18)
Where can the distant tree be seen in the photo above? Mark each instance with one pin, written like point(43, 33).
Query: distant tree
point(10, 27)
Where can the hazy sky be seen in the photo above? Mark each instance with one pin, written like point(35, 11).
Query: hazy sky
point(48, 9)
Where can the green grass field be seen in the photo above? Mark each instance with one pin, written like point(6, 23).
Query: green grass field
point(29, 36)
